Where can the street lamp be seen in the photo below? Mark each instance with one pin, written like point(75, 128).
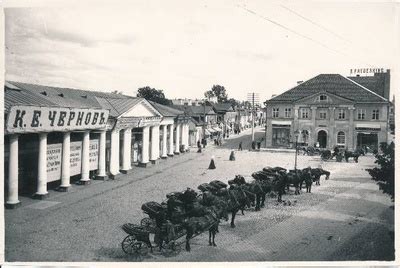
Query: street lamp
point(296, 136)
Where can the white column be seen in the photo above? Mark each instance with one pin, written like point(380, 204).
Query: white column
point(65, 166)
point(12, 190)
point(177, 138)
point(114, 157)
point(171, 140)
point(145, 146)
point(187, 135)
point(42, 167)
point(126, 156)
point(155, 143)
point(85, 158)
point(164, 142)
point(101, 172)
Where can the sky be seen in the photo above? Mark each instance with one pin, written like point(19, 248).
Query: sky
point(186, 47)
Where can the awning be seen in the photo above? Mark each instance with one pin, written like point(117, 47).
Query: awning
point(228, 127)
point(368, 126)
point(207, 132)
point(217, 129)
point(276, 122)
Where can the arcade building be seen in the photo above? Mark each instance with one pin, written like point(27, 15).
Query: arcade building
point(331, 110)
point(58, 136)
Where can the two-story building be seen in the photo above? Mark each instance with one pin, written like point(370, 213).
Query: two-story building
point(328, 110)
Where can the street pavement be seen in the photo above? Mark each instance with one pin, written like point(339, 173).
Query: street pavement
point(346, 218)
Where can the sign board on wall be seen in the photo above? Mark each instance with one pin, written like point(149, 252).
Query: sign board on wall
point(54, 158)
point(25, 119)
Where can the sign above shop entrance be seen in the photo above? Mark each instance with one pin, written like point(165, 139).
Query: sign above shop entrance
point(26, 119)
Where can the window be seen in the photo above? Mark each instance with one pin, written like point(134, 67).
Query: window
point(304, 113)
point(275, 112)
point(341, 114)
point(305, 136)
point(341, 138)
point(375, 114)
point(361, 114)
point(323, 98)
point(288, 112)
point(322, 115)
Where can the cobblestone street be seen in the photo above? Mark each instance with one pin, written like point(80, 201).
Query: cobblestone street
point(346, 218)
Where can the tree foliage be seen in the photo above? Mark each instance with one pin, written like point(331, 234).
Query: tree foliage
point(152, 94)
point(217, 91)
point(384, 173)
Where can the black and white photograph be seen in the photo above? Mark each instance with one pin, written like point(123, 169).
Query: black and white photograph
point(199, 131)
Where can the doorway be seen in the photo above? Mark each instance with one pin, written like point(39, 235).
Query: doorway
point(322, 138)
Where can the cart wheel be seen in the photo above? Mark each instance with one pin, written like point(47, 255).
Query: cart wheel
point(171, 249)
point(147, 222)
point(130, 245)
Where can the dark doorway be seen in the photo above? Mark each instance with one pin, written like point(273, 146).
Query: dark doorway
point(322, 136)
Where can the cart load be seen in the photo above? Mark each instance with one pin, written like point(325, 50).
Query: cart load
point(153, 209)
point(206, 187)
point(218, 184)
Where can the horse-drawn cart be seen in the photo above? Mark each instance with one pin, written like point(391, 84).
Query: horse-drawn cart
point(162, 232)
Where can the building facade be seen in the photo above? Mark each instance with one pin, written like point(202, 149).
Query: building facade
point(328, 110)
point(56, 136)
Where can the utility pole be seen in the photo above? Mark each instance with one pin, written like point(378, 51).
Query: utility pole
point(252, 98)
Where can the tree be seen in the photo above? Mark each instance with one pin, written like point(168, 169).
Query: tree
point(152, 94)
point(217, 91)
point(384, 174)
point(234, 103)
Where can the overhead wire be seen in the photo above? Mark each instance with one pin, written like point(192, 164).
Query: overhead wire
point(300, 34)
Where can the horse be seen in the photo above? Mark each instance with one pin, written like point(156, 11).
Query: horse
point(234, 200)
point(294, 178)
point(193, 227)
point(354, 155)
point(317, 173)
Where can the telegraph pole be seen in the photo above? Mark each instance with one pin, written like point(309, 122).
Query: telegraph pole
point(252, 98)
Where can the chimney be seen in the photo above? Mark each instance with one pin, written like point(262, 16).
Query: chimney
point(299, 82)
point(386, 85)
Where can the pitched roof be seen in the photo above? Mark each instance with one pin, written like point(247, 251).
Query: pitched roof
point(15, 96)
point(331, 83)
point(118, 106)
point(66, 97)
point(374, 83)
point(196, 110)
point(223, 107)
point(166, 110)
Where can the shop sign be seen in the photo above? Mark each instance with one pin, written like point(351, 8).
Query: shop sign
point(367, 70)
point(54, 159)
point(23, 119)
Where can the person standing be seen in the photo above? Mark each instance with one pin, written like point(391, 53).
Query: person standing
point(240, 146)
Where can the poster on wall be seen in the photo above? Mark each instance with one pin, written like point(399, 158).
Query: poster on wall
point(54, 159)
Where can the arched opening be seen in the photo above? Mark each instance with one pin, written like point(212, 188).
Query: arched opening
point(322, 138)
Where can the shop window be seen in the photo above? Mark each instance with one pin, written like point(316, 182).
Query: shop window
point(341, 114)
point(375, 114)
point(341, 138)
point(304, 113)
point(288, 112)
point(361, 114)
point(275, 112)
point(322, 115)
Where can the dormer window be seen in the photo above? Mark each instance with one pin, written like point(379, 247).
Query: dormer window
point(84, 96)
point(61, 95)
point(44, 93)
point(323, 98)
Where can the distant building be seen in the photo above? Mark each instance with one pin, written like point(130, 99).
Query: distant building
point(191, 102)
point(331, 110)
